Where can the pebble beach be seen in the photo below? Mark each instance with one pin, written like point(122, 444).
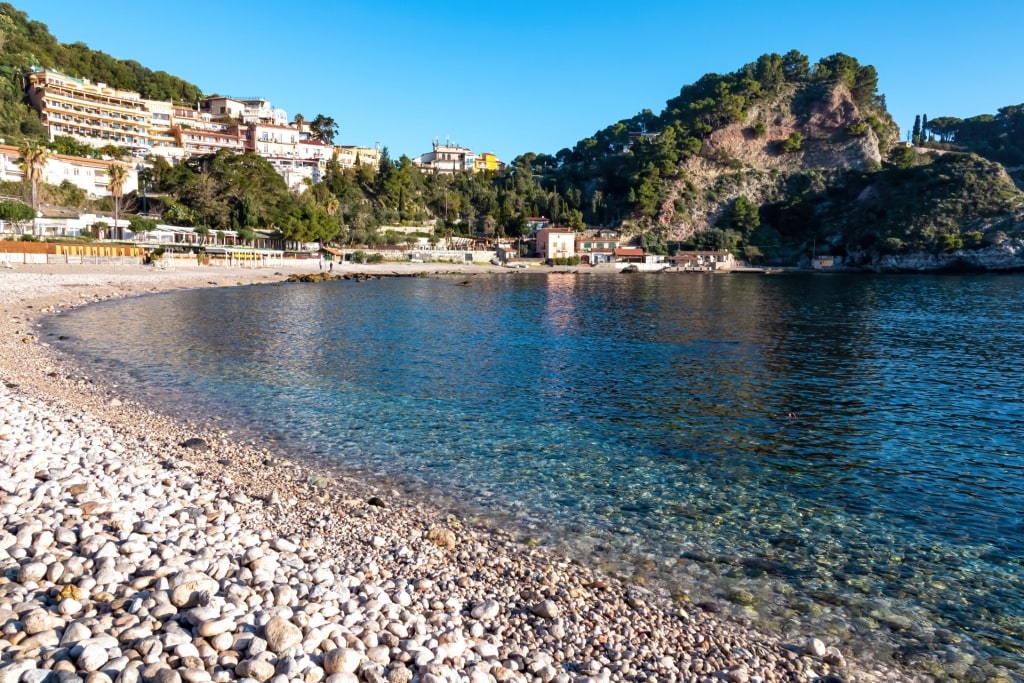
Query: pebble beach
point(137, 546)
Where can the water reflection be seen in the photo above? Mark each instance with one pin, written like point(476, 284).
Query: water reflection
point(650, 415)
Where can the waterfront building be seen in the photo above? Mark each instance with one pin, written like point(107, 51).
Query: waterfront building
point(597, 247)
point(92, 113)
point(555, 243)
point(703, 260)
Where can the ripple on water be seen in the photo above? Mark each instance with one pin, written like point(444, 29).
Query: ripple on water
point(843, 449)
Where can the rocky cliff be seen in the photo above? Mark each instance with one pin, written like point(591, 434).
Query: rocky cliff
point(746, 158)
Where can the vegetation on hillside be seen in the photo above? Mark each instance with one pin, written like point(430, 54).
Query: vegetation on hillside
point(999, 137)
point(940, 203)
point(659, 176)
point(25, 43)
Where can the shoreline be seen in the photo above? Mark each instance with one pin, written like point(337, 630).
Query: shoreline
point(485, 607)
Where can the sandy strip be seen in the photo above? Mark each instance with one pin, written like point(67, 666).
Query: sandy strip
point(521, 614)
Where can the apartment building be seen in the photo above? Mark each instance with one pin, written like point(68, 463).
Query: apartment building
point(98, 115)
point(246, 110)
point(349, 156)
point(268, 140)
point(88, 174)
point(488, 162)
point(92, 113)
point(555, 243)
point(448, 159)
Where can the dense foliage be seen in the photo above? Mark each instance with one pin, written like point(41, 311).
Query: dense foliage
point(998, 137)
point(634, 174)
point(940, 204)
point(25, 43)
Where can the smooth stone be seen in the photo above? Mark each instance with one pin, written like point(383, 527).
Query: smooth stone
point(486, 610)
point(75, 632)
point(208, 629)
point(281, 634)
point(342, 678)
point(12, 672)
point(38, 676)
point(39, 621)
point(257, 669)
point(45, 639)
point(341, 660)
point(816, 648)
point(546, 609)
point(92, 657)
point(400, 674)
point(33, 572)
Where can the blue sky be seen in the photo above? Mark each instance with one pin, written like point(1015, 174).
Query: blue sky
point(521, 76)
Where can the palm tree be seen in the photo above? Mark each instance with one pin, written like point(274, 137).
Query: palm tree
point(34, 156)
point(116, 177)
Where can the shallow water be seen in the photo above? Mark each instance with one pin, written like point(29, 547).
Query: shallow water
point(845, 449)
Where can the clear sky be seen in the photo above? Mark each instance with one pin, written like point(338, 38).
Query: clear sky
point(524, 75)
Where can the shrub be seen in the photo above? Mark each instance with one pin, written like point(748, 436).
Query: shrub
point(973, 240)
point(29, 238)
point(375, 258)
point(858, 129)
point(793, 143)
point(358, 256)
point(950, 242)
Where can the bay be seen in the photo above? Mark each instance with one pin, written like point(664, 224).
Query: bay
point(841, 455)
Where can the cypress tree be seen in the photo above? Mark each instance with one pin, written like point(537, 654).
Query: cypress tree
point(924, 128)
point(916, 138)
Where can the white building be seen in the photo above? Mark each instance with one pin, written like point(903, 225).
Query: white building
point(88, 174)
point(446, 159)
point(246, 110)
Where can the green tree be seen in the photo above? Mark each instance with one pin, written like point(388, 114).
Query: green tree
point(324, 129)
point(140, 226)
point(795, 66)
point(654, 243)
point(744, 216)
point(16, 212)
point(65, 144)
point(902, 157)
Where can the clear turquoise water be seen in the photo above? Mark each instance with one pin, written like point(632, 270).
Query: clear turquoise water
point(643, 424)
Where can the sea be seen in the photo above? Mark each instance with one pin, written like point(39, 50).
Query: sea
point(837, 456)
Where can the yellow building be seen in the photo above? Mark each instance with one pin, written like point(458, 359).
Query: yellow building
point(92, 113)
point(488, 162)
point(348, 156)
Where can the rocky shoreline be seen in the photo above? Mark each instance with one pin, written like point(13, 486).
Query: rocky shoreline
point(138, 547)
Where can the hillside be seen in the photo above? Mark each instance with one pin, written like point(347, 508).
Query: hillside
point(780, 161)
point(25, 43)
